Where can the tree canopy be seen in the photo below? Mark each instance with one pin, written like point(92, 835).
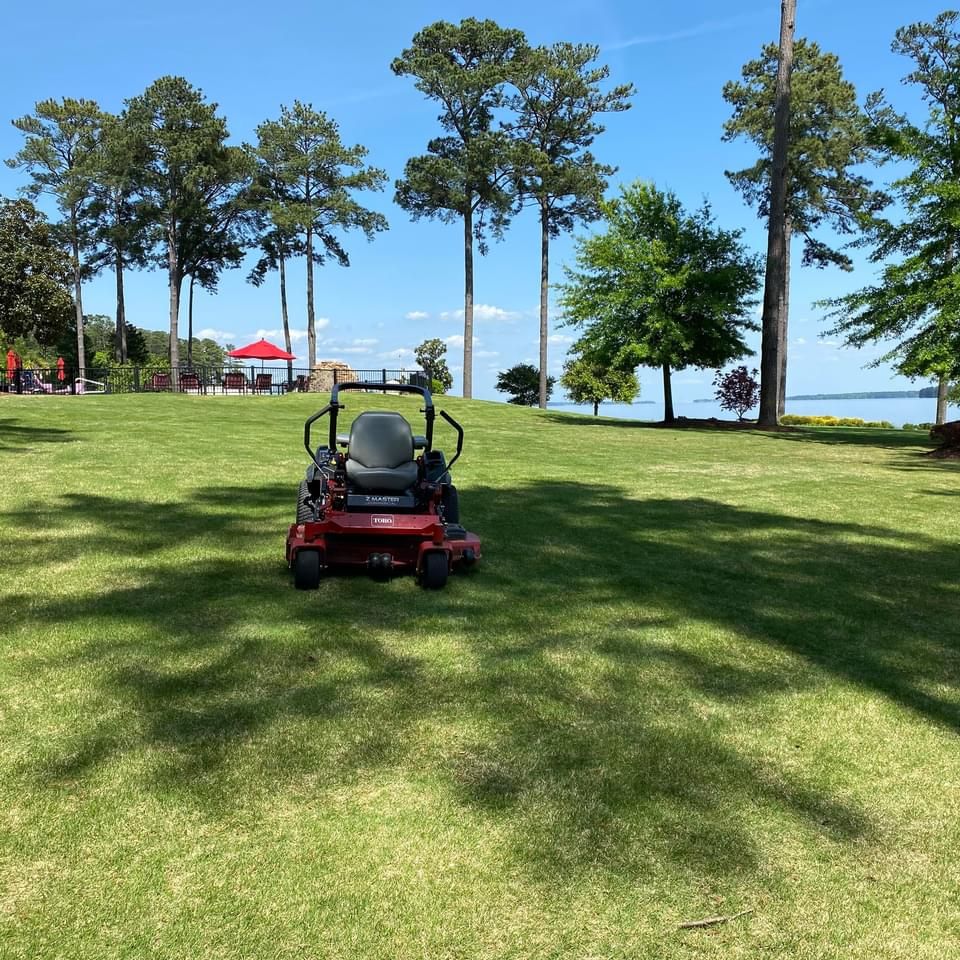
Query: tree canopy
point(62, 141)
point(35, 274)
point(916, 303)
point(466, 173)
point(184, 144)
point(522, 382)
point(558, 98)
point(826, 140)
point(661, 287)
point(309, 179)
point(591, 380)
point(431, 355)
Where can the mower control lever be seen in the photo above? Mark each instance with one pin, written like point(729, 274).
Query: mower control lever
point(456, 426)
point(306, 433)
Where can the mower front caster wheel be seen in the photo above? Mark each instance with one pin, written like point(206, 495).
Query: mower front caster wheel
point(306, 570)
point(435, 569)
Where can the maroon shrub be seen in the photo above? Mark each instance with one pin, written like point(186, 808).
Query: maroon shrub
point(737, 390)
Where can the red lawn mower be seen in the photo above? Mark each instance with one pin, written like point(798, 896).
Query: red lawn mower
point(369, 501)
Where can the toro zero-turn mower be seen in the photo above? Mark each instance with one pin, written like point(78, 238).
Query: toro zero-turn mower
point(370, 501)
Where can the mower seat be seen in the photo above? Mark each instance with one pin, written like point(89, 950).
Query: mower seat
point(380, 452)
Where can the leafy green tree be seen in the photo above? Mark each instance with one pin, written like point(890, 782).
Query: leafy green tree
point(556, 106)
point(915, 303)
point(522, 382)
point(158, 342)
point(431, 355)
point(466, 173)
point(99, 332)
point(62, 139)
point(183, 142)
point(118, 214)
point(661, 288)
point(826, 137)
point(218, 237)
point(317, 176)
point(590, 380)
point(35, 274)
point(277, 232)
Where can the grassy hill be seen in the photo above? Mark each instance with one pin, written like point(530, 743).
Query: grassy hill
point(697, 673)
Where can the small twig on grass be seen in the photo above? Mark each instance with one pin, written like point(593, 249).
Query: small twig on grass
point(711, 921)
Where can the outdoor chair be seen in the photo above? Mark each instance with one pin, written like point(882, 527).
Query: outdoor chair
point(300, 384)
point(234, 381)
point(263, 383)
point(160, 381)
point(190, 381)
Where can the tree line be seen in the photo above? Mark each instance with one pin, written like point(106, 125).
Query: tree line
point(158, 185)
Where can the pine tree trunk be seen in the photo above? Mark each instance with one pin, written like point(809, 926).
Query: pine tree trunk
point(468, 300)
point(776, 229)
point(121, 307)
point(190, 326)
point(286, 319)
point(784, 338)
point(176, 279)
point(77, 295)
point(943, 388)
point(667, 395)
point(311, 327)
point(544, 290)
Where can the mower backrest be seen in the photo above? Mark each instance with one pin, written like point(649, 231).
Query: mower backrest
point(381, 440)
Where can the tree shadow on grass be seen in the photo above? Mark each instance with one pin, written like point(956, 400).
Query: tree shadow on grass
point(18, 437)
point(554, 691)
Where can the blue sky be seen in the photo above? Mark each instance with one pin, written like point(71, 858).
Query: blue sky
point(407, 285)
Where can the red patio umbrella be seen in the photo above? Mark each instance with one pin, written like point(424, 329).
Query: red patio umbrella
point(261, 350)
point(60, 366)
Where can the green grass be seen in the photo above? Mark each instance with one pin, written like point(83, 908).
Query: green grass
point(697, 673)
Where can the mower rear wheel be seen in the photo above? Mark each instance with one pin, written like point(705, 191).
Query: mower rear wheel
point(306, 570)
point(433, 576)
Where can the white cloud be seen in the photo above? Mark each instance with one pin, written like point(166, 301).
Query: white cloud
point(401, 353)
point(485, 354)
point(365, 342)
point(208, 333)
point(483, 311)
point(696, 30)
point(416, 315)
point(828, 343)
point(457, 340)
point(800, 341)
point(559, 338)
point(295, 335)
point(354, 350)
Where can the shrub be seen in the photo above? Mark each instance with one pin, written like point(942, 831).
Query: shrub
point(802, 420)
point(737, 390)
point(917, 426)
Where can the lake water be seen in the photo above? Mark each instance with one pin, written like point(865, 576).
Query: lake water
point(897, 410)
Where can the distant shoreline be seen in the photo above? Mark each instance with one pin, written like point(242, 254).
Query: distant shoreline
point(573, 403)
point(874, 395)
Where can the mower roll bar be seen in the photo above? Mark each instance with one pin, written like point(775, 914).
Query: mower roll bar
point(334, 407)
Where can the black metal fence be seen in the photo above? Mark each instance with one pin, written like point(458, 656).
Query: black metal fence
point(234, 379)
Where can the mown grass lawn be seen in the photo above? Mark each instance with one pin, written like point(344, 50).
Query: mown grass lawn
point(697, 673)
